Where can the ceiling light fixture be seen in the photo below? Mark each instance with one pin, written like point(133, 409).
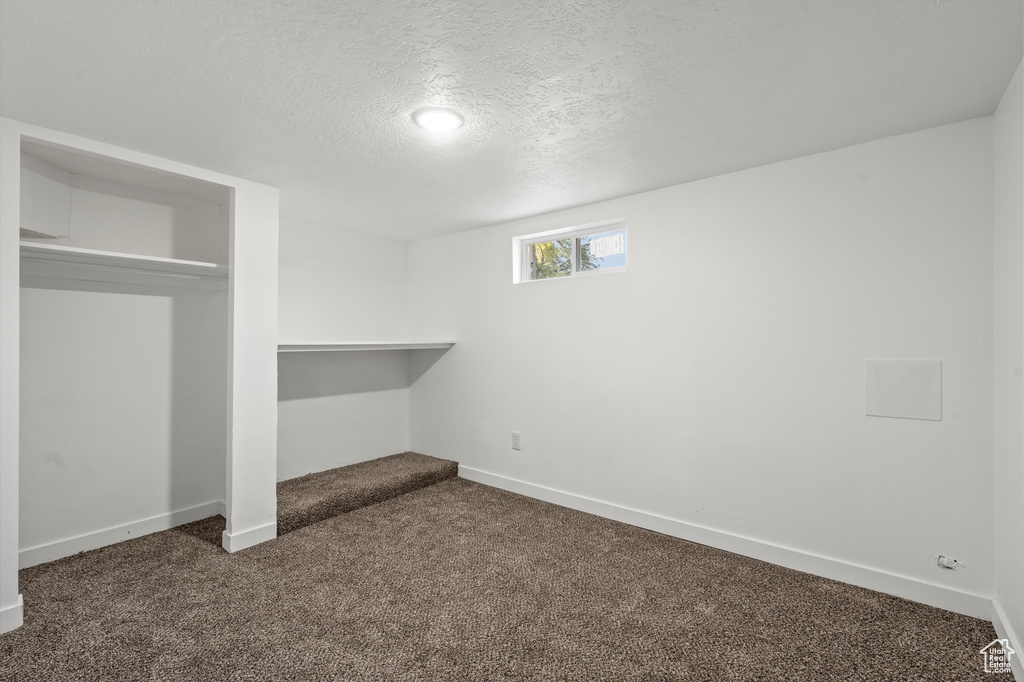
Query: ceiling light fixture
point(437, 119)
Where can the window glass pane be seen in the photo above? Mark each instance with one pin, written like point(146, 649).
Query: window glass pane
point(550, 259)
point(600, 251)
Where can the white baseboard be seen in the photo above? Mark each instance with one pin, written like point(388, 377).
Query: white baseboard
point(967, 603)
point(40, 554)
point(13, 616)
point(1004, 628)
point(239, 540)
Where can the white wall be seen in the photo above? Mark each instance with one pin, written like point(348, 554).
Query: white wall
point(338, 285)
point(250, 485)
point(123, 407)
point(334, 409)
point(11, 609)
point(1009, 359)
point(111, 216)
point(719, 382)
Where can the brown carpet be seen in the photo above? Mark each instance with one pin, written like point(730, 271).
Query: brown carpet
point(459, 581)
point(315, 497)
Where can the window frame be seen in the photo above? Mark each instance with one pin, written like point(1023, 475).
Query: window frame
point(521, 262)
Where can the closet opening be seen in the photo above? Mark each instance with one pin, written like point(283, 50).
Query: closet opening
point(124, 350)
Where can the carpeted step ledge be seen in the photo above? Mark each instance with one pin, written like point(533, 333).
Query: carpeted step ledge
point(315, 497)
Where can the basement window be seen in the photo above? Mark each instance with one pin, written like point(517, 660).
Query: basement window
point(570, 252)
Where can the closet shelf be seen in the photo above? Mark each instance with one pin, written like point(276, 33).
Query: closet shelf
point(69, 262)
point(405, 345)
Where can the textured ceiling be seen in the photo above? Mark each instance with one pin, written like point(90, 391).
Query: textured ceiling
point(566, 102)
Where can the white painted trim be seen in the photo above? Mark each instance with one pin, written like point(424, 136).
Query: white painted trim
point(40, 554)
point(13, 616)
point(234, 542)
point(404, 345)
point(1005, 630)
point(967, 603)
point(10, 365)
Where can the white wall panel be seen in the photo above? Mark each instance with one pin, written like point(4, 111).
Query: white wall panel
point(123, 401)
point(719, 381)
point(334, 408)
point(1008, 283)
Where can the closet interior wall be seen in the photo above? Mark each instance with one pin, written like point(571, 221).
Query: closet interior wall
point(123, 385)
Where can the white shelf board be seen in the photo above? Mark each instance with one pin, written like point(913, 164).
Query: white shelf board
point(69, 262)
point(405, 345)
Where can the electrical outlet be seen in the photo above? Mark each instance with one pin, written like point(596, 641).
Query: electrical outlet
point(517, 440)
point(947, 562)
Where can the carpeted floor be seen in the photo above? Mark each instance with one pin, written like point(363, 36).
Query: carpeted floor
point(315, 497)
point(459, 581)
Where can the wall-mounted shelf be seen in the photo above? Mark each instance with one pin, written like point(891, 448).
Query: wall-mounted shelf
point(407, 345)
point(68, 262)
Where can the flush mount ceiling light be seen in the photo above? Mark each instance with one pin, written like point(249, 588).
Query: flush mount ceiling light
point(437, 119)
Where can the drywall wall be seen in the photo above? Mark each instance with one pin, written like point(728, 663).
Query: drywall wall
point(1008, 145)
point(112, 216)
point(340, 408)
point(339, 286)
point(11, 607)
point(123, 407)
point(719, 381)
point(250, 485)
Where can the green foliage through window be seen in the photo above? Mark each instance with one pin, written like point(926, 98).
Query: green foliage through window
point(579, 253)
